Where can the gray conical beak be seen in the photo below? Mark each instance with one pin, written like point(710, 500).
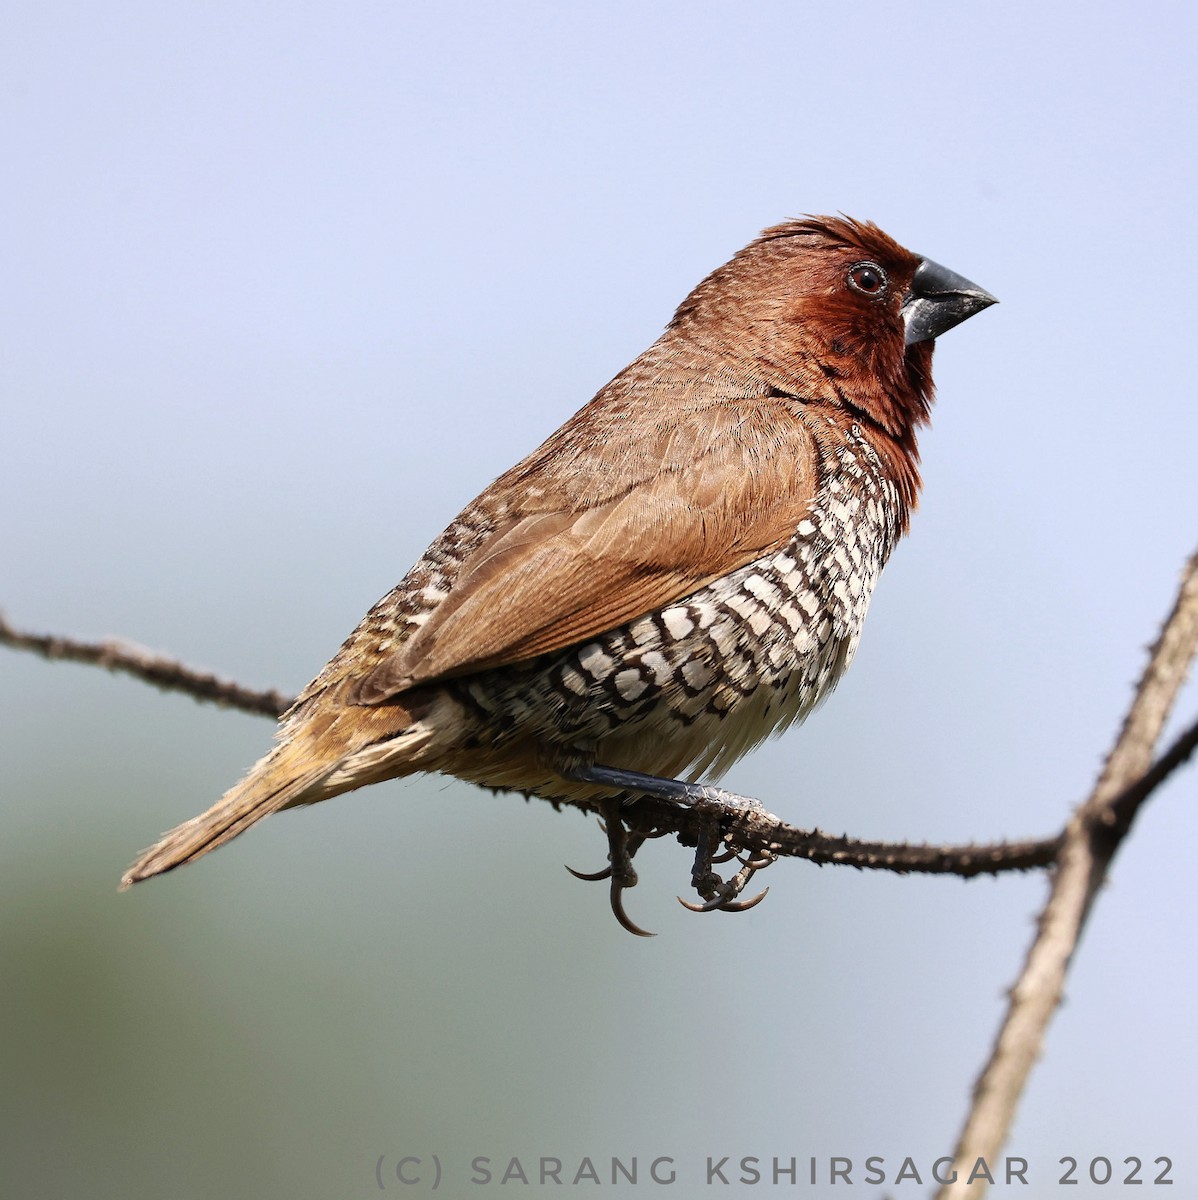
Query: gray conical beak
point(938, 300)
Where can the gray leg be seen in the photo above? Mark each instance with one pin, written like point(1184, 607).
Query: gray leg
point(688, 794)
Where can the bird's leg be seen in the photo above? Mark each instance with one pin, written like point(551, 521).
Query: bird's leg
point(692, 795)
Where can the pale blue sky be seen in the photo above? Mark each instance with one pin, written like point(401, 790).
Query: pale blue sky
point(284, 285)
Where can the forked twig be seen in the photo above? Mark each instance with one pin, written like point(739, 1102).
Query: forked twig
point(1088, 845)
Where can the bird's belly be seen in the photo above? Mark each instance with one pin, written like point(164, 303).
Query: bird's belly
point(685, 691)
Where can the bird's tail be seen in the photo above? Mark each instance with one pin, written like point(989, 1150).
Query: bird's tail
point(285, 777)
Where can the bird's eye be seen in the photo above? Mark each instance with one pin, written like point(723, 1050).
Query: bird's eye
point(868, 278)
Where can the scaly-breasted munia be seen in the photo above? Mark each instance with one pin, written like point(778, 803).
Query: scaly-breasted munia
point(682, 569)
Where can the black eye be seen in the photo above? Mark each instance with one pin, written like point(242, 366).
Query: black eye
point(868, 278)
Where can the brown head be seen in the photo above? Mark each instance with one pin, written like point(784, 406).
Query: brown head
point(831, 306)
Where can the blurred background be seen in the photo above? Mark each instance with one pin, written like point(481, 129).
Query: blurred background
point(285, 285)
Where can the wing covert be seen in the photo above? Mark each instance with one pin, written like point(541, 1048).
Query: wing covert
point(576, 559)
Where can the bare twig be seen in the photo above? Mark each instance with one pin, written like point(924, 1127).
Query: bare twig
point(165, 673)
point(1090, 842)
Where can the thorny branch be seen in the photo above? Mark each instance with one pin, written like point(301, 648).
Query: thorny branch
point(757, 833)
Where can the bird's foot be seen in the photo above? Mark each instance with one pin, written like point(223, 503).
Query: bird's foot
point(719, 893)
point(713, 802)
point(621, 848)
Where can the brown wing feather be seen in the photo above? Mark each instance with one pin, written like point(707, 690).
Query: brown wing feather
point(737, 480)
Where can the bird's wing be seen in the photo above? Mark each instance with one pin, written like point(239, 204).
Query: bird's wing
point(695, 499)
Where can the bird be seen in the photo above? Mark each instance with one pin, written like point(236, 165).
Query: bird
point(678, 572)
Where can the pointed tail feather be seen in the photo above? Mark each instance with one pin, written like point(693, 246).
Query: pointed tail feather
point(277, 781)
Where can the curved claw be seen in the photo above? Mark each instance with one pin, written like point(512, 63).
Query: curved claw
point(744, 905)
point(759, 864)
point(617, 907)
point(589, 876)
point(724, 904)
point(727, 856)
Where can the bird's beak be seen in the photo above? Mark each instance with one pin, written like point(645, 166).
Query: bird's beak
point(938, 300)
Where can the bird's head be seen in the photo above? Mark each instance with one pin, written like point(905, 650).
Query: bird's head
point(834, 310)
